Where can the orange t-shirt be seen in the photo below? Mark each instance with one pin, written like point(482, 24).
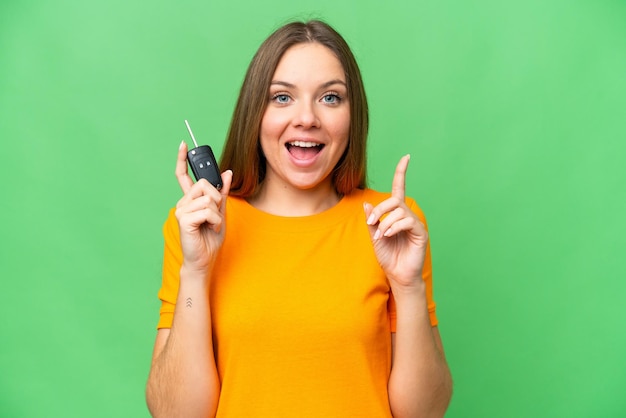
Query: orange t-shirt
point(301, 311)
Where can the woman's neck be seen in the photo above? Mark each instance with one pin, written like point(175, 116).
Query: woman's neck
point(282, 200)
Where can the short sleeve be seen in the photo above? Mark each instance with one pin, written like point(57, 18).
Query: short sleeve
point(427, 276)
point(172, 260)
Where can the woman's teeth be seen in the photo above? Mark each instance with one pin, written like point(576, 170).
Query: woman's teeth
point(304, 144)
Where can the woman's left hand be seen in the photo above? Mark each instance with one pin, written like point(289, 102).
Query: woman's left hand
point(399, 238)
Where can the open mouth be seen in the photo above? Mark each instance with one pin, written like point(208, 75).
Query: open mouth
point(304, 150)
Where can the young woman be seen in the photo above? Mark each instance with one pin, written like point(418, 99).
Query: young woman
point(295, 291)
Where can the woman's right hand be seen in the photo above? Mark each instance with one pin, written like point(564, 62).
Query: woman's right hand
point(201, 216)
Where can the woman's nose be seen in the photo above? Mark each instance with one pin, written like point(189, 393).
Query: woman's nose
point(306, 115)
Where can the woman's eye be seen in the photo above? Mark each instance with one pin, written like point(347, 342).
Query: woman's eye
point(331, 98)
point(281, 98)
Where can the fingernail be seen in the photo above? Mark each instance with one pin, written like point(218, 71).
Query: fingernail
point(387, 232)
point(408, 156)
point(181, 144)
point(377, 235)
point(370, 220)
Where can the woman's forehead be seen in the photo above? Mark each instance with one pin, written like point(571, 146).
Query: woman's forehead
point(308, 62)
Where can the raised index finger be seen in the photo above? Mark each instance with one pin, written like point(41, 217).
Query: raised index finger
point(182, 173)
point(398, 186)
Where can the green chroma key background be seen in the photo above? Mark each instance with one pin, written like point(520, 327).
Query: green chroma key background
point(514, 114)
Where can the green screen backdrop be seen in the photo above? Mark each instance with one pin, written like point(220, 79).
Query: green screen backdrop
point(514, 113)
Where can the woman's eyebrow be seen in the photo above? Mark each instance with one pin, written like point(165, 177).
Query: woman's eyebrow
point(325, 85)
point(333, 82)
point(282, 83)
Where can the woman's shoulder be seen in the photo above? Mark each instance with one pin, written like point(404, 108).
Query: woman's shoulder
point(374, 196)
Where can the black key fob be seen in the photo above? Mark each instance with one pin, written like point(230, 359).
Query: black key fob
point(202, 162)
point(203, 165)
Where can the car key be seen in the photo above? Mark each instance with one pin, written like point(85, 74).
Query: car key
point(202, 162)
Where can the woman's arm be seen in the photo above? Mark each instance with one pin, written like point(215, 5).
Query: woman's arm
point(183, 379)
point(420, 384)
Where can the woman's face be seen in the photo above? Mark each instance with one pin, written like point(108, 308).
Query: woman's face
point(305, 128)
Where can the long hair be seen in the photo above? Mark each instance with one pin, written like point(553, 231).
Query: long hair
point(242, 151)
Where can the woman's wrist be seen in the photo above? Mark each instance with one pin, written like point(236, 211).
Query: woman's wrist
point(190, 273)
point(407, 284)
point(412, 293)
